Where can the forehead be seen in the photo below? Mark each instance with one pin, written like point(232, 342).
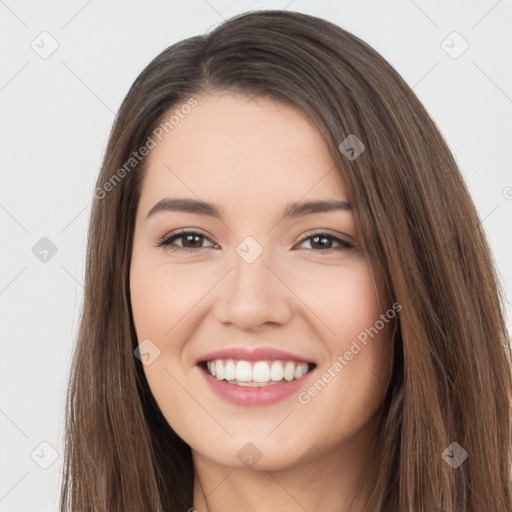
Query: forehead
point(231, 146)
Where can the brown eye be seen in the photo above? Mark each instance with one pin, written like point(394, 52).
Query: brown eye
point(191, 240)
point(324, 242)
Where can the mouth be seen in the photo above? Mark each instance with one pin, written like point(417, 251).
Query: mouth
point(262, 373)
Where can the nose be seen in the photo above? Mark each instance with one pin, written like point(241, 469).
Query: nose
point(252, 295)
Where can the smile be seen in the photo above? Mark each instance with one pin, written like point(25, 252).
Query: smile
point(255, 383)
point(256, 373)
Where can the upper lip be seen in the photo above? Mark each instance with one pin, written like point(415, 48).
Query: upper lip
point(253, 354)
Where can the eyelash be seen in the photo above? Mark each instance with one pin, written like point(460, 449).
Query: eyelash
point(167, 241)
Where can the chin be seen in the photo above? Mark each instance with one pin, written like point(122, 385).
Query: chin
point(254, 452)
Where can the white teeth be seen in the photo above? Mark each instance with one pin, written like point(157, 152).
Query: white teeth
point(276, 371)
point(289, 370)
point(230, 372)
point(257, 373)
point(220, 370)
point(243, 371)
point(261, 372)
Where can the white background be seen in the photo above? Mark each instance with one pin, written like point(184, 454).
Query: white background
point(56, 115)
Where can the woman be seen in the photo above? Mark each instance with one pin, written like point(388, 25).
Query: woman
point(290, 303)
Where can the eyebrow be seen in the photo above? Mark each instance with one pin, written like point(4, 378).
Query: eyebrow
point(199, 207)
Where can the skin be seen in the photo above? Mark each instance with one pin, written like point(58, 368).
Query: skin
point(252, 158)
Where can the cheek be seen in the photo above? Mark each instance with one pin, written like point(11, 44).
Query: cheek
point(162, 294)
point(342, 297)
point(353, 377)
point(160, 299)
point(363, 341)
point(349, 389)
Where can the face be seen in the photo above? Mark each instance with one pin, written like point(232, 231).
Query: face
point(275, 300)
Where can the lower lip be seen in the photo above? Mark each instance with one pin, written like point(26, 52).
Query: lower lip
point(254, 396)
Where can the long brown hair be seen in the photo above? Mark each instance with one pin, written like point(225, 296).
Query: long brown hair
point(451, 377)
